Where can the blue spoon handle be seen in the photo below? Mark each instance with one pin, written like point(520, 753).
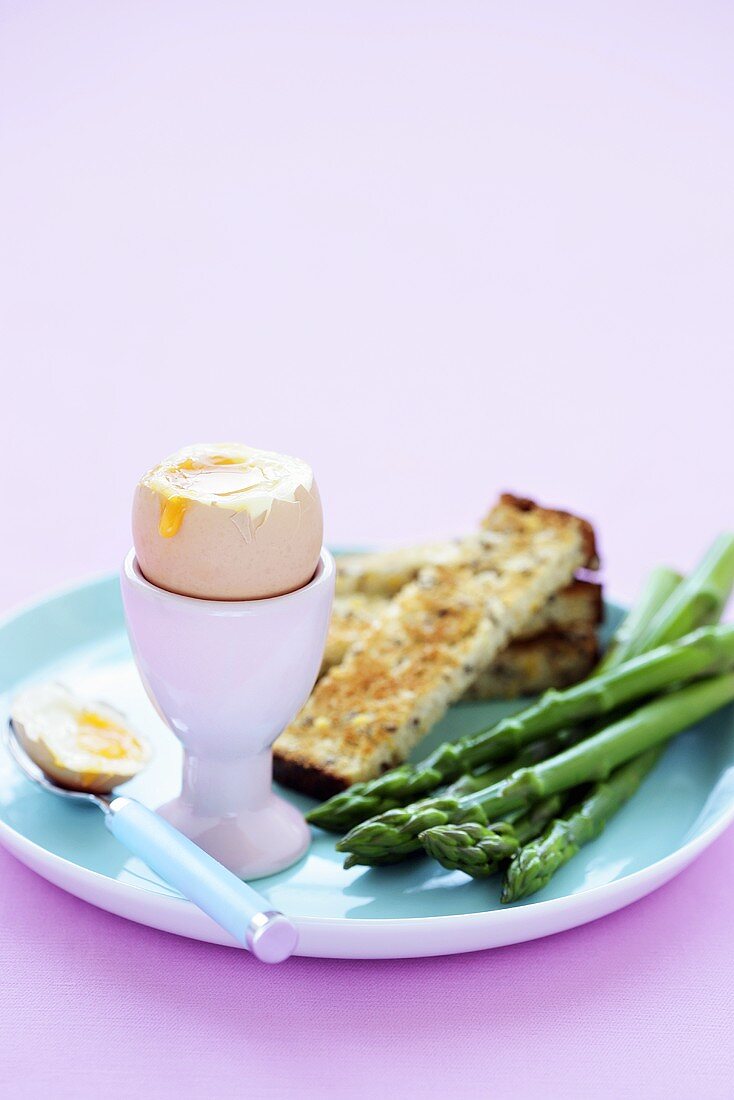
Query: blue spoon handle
point(245, 914)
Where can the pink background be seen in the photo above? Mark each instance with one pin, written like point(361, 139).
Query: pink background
point(438, 249)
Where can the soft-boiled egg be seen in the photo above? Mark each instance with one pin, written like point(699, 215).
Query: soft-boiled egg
point(228, 522)
point(80, 744)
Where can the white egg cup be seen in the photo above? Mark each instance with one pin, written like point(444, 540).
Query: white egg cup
point(227, 677)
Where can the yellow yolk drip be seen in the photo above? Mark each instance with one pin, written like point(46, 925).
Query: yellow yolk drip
point(172, 516)
point(101, 737)
point(173, 510)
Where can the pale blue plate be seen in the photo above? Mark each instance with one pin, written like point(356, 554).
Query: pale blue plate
point(416, 908)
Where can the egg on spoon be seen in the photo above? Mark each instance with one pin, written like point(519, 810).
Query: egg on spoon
point(81, 744)
point(228, 522)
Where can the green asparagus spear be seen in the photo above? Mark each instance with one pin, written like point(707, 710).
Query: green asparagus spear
point(479, 850)
point(530, 754)
point(700, 599)
point(394, 835)
point(706, 651)
point(476, 849)
point(659, 586)
point(535, 864)
point(657, 590)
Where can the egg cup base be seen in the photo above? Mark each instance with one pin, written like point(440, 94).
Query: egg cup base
point(251, 843)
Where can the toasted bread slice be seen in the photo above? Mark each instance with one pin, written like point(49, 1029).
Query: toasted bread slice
point(385, 572)
point(427, 646)
point(577, 605)
point(555, 659)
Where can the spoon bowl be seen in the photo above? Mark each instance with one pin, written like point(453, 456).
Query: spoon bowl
point(32, 771)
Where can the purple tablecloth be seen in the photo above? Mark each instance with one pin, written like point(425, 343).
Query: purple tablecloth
point(439, 250)
point(636, 1005)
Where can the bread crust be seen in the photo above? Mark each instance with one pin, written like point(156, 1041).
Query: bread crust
point(591, 551)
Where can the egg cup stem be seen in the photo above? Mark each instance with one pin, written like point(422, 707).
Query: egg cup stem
point(214, 787)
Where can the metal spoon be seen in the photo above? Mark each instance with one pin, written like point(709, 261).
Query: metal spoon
point(244, 913)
